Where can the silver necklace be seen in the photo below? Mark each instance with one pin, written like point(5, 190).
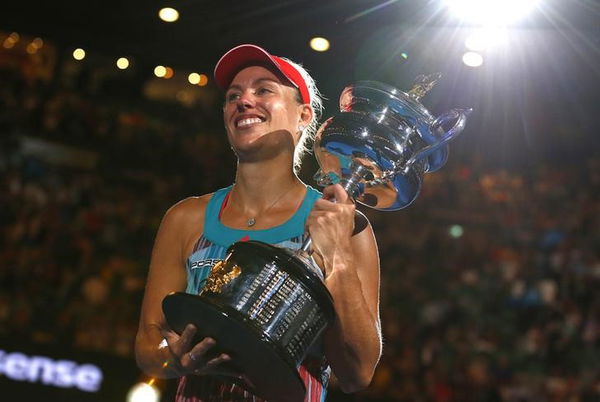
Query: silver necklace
point(252, 220)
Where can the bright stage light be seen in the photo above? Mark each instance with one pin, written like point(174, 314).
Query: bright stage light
point(455, 231)
point(38, 43)
point(490, 12)
point(143, 392)
point(194, 78)
point(122, 63)
point(484, 38)
point(168, 14)
point(31, 48)
point(11, 40)
point(160, 71)
point(472, 59)
point(203, 80)
point(8, 44)
point(79, 54)
point(319, 44)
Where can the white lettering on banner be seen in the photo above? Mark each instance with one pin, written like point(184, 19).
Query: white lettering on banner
point(15, 366)
point(59, 373)
point(88, 378)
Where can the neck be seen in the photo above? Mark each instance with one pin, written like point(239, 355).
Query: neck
point(259, 184)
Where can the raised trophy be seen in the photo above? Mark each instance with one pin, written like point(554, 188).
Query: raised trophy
point(267, 305)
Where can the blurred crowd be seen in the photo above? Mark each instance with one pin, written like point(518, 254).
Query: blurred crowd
point(490, 287)
point(490, 278)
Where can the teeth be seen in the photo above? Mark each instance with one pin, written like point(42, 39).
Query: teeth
point(248, 121)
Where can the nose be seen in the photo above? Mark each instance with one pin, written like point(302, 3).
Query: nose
point(245, 101)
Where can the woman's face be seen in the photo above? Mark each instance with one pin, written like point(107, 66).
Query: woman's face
point(260, 109)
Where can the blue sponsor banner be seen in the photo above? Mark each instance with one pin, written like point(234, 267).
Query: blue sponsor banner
point(30, 372)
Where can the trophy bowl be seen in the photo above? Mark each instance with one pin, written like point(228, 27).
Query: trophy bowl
point(386, 140)
point(266, 305)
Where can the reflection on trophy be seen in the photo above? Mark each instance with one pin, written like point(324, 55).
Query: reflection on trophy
point(383, 141)
point(265, 305)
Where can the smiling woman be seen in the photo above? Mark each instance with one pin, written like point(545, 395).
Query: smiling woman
point(270, 109)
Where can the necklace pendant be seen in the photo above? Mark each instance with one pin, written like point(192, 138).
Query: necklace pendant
point(250, 222)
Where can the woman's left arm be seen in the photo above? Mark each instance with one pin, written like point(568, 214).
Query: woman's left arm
point(351, 268)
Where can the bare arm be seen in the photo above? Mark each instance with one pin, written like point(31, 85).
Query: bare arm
point(351, 266)
point(180, 225)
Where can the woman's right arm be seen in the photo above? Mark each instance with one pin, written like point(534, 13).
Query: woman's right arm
point(167, 274)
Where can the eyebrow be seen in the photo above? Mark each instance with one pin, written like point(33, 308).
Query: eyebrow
point(257, 81)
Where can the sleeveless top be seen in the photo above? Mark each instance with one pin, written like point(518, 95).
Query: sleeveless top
point(210, 248)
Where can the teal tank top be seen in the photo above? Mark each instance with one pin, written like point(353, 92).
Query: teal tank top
point(212, 245)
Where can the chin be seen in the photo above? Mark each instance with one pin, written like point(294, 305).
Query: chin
point(254, 141)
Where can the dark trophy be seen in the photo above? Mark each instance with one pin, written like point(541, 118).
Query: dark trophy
point(266, 305)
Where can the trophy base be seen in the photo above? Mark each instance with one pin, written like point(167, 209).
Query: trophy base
point(271, 376)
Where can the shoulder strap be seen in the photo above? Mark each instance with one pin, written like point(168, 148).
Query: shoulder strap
point(214, 208)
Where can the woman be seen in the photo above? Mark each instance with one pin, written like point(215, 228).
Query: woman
point(269, 111)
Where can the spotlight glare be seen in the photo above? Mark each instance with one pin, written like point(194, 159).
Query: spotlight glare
point(455, 231)
point(31, 48)
point(79, 54)
point(194, 78)
point(203, 80)
point(482, 39)
point(168, 72)
point(472, 59)
point(8, 43)
point(11, 40)
point(160, 71)
point(490, 12)
point(122, 63)
point(319, 44)
point(168, 14)
point(38, 42)
point(143, 392)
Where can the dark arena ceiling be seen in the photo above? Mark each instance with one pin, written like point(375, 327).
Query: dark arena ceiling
point(206, 29)
point(545, 75)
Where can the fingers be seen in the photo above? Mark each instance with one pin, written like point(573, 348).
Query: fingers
point(334, 198)
point(169, 335)
point(187, 336)
point(217, 365)
point(342, 201)
point(336, 192)
point(196, 357)
point(179, 344)
point(222, 358)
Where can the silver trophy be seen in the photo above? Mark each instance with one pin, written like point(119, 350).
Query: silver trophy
point(383, 141)
point(265, 305)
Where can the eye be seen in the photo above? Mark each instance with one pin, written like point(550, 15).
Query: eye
point(232, 96)
point(263, 91)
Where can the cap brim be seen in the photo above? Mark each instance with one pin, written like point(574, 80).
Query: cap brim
point(239, 57)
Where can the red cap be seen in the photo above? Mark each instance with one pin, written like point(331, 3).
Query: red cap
point(245, 55)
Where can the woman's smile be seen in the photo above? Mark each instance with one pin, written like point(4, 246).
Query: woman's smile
point(248, 120)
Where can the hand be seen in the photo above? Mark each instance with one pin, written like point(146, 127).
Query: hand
point(196, 359)
point(330, 225)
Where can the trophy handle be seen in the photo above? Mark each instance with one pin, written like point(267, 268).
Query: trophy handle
point(460, 115)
